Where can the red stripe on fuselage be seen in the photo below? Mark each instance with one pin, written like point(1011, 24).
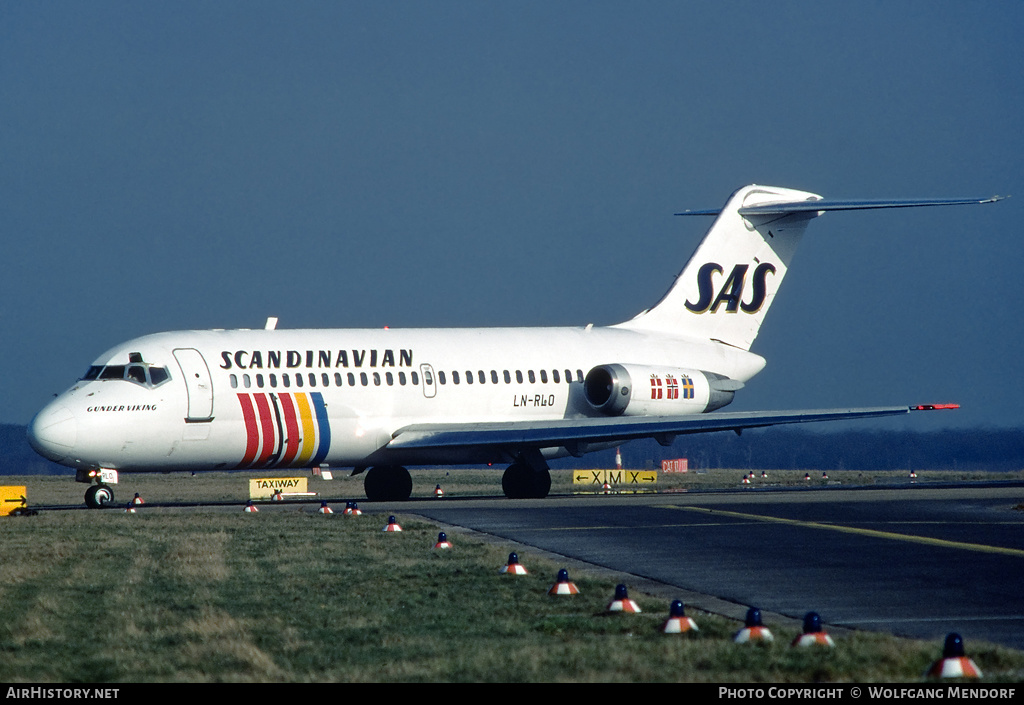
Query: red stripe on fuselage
point(252, 433)
point(291, 425)
point(267, 426)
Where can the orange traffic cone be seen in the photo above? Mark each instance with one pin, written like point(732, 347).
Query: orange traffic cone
point(678, 622)
point(753, 630)
point(622, 603)
point(562, 585)
point(954, 663)
point(814, 634)
point(513, 567)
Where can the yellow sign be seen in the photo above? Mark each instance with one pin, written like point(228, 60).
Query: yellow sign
point(264, 488)
point(631, 478)
point(641, 477)
point(588, 477)
point(12, 497)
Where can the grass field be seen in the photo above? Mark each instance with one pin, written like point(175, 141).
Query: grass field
point(287, 595)
point(462, 482)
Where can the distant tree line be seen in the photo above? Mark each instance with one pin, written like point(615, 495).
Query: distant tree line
point(798, 449)
point(762, 449)
point(18, 458)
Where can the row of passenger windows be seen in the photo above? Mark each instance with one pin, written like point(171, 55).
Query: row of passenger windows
point(530, 376)
point(365, 379)
point(324, 379)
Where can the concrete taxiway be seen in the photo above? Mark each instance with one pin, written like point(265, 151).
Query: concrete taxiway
point(916, 561)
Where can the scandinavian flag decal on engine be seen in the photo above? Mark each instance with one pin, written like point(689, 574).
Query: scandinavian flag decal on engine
point(669, 389)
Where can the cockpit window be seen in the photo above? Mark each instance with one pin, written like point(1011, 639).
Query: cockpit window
point(112, 372)
point(138, 372)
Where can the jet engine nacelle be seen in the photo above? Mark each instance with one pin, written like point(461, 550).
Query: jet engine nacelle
point(645, 390)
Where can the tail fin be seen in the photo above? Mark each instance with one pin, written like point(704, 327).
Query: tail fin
point(727, 287)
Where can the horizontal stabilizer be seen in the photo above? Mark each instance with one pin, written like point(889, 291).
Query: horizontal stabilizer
point(855, 205)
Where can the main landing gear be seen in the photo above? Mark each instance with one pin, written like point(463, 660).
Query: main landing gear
point(526, 478)
point(387, 483)
point(523, 480)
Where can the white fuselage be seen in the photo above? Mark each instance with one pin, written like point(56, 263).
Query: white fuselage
point(235, 399)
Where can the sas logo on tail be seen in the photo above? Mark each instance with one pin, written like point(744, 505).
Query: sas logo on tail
point(284, 430)
point(731, 291)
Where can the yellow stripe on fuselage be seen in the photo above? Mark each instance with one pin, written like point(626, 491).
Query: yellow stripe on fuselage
point(308, 429)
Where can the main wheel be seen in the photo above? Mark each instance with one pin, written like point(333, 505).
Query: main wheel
point(387, 484)
point(540, 484)
point(514, 481)
point(98, 495)
point(520, 481)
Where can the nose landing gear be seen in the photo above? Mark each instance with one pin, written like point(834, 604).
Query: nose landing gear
point(98, 496)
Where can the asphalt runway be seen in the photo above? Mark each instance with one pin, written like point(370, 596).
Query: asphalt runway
point(916, 561)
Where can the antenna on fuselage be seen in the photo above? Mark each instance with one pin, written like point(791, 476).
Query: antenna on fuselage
point(271, 323)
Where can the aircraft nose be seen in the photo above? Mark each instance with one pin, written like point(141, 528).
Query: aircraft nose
point(53, 432)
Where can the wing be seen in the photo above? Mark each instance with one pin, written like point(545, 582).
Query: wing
point(577, 435)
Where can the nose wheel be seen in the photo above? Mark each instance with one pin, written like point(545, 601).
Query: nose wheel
point(98, 496)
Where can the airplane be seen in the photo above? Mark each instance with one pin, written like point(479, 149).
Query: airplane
point(379, 400)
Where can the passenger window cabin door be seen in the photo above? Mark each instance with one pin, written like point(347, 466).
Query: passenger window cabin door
point(198, 383)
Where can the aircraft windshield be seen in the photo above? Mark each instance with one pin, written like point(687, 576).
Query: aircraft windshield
point(141, 373)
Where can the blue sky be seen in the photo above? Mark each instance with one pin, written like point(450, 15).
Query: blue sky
point(348, 164)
